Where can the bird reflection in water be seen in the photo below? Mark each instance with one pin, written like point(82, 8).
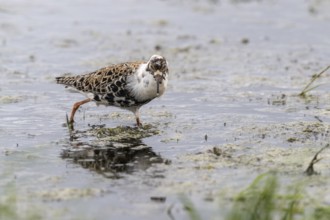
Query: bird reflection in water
point(112, 158)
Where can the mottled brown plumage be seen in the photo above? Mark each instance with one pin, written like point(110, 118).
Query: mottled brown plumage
point(127, 85)
point(100, 81)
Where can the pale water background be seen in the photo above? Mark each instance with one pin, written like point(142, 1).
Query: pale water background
point(236, 68)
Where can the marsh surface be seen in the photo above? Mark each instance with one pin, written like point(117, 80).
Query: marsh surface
point(236, 68)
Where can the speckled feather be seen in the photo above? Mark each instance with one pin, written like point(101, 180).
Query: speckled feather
point(127, 85)
point(105, 84)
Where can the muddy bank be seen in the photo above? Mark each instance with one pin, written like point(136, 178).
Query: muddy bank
point(231, 112)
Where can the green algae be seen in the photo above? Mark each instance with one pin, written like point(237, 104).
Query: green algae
point(125, 133)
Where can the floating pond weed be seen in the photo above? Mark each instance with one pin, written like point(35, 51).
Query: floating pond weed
point(309, 86)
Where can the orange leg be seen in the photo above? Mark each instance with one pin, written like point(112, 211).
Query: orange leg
point(137, 116)
point(75, 108)
point(138, 122)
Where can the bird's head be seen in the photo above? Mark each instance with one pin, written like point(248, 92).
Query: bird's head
point(158, 67)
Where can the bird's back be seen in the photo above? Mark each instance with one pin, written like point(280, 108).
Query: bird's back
point(103, 80)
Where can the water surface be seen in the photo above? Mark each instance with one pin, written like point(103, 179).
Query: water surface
point(236, 68)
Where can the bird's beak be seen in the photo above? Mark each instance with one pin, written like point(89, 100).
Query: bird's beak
point(159, 79)
point(158, 64)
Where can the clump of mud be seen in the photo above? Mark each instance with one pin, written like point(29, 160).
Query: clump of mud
point(124, 133)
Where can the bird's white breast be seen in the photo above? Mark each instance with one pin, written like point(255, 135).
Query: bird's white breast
point(143, 85)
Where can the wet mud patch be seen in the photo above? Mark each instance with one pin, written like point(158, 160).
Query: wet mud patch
point(10, 99)
point(100, 135)
point(284, 147)
point(300, 134)
point(124, 133)
point(215, 164)
point(70, 193)
point(291, 161)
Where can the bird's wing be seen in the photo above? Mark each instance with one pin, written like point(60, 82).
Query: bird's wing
point(100, 81)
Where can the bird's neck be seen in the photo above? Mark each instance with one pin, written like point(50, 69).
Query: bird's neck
point(143, 85)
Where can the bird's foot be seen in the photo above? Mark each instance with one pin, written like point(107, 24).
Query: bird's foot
point(69, 123)
point(138, 122)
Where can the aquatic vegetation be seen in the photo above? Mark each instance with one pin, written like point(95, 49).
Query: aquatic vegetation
point(10, 207)
point(257, 201)
point(310, 169)
point(8, 203)
point(125, 133)
point(309, 86)
point(264, 199)
point(69, 124)
point(190, 208)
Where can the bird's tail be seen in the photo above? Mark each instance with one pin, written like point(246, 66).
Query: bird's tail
point(66, 80)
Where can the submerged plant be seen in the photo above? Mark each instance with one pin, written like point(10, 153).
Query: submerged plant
point(190, 208)
point(8, 203)
point(321, 213)
point(69, 125)
point(309, 86)
point(261, 200)
point(310, 169)
point(11, 205)
point(264, 199)
point(257, 201)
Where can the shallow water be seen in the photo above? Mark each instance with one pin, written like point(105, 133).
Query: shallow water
point(236, 69)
